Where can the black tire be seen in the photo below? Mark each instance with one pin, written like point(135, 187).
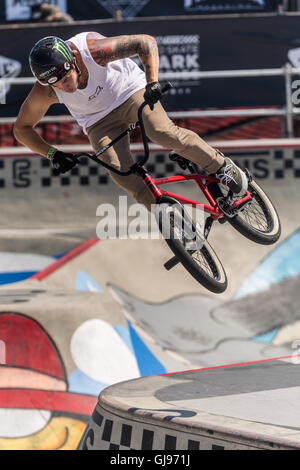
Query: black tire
point(203, 263)
point(258, 220)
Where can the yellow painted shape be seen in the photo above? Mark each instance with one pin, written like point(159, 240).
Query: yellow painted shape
point(61, 433)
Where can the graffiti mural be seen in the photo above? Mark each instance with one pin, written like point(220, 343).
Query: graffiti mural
point(37, 411)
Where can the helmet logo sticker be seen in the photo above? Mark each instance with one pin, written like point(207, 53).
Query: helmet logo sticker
point(48, 72)
point(63, 48)
point(67, 65)
point(52, 80)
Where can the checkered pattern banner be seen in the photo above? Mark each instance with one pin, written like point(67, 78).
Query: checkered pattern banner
point(85, 174)
point(26, 172)
point(107, 431)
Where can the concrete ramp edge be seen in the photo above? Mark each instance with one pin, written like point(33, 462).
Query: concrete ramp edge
point(128, 416)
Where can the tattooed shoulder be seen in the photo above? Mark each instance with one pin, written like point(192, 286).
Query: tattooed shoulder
point(107, 50)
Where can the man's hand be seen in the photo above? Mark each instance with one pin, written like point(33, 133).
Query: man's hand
point(152, 94)
point(63, 162)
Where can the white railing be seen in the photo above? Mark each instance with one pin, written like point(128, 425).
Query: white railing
point(288, 111)
point(223, 145)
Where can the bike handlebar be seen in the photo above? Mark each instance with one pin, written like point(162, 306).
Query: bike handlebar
point(140, 123)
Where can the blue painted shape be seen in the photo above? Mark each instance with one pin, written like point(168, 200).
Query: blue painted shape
point(79, 382)
point(266, 338)
point(281, 264)
point(147, 362)
point(124, 334)
point(60, 255)
point(86, 283)
point(10, 278)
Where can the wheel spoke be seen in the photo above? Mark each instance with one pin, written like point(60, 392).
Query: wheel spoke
point(203, 259)
point(255, 214)
point(190, 247)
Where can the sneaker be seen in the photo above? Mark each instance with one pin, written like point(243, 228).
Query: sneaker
point(233, 177)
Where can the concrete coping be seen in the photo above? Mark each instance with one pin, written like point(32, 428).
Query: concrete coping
point(138, 400)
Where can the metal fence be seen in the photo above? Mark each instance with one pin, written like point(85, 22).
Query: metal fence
point(287, 112)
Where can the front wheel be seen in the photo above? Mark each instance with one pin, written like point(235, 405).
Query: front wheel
point(192, 250)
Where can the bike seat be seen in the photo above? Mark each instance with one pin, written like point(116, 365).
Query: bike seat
point(182, 162)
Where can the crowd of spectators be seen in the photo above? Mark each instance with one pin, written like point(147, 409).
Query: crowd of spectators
point(49, 13)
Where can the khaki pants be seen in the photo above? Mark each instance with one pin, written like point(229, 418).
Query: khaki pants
point(160, 130)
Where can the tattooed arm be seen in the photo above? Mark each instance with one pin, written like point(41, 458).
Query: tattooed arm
point(105, 50)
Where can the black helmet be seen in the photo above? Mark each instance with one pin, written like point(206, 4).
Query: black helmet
point(50, 60)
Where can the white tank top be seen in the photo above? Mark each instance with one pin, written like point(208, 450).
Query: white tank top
point(107, 88)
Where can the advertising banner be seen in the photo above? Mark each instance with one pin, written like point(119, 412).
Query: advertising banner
point(228, 6)
point(204, 44)
point(28, 172)
point(180, 52)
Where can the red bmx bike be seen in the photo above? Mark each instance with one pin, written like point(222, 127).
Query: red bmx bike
point(253, 214)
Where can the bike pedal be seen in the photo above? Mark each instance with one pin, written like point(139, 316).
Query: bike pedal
point(225, 208)
point(171, 263)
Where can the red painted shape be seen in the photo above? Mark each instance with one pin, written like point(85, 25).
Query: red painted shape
point(66, 402)
point(65, 259)
point(233, 365)
point(28, 346)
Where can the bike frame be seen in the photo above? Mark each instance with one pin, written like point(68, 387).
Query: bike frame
point(202, 181)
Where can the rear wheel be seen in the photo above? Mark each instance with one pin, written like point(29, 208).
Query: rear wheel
point(258, 219)
point(189, 247)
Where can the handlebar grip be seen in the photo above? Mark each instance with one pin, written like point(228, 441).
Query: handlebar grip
point(75, 157)
point(78, 155)
point(166, 87)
